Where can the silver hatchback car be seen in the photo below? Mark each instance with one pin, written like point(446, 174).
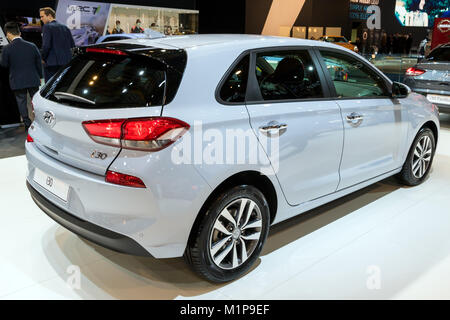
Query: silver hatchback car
point(195, 145)
point(431, 77)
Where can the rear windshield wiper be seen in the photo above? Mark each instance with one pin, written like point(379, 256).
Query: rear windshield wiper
point(68, 96)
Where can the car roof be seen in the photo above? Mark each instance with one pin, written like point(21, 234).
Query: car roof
point(208, 41)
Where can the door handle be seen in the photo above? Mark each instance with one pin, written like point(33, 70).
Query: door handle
point(273, 128)
point(355, 119)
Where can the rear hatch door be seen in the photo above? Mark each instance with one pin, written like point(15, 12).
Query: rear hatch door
point(109, 83)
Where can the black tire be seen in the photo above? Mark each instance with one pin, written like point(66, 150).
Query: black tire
point(198, 253)
point(406, 176)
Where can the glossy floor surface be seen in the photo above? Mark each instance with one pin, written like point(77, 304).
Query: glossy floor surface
point(383, 242)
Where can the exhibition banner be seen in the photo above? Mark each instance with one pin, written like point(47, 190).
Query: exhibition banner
point(441, 32)
point(86, 20)
point(419, 13)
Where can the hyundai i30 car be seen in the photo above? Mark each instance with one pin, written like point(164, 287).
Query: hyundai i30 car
point(431, 77)
point(196, 145)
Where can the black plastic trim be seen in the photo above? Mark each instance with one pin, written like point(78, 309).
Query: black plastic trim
point(101, 236)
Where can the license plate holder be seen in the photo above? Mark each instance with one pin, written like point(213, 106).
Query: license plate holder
point(51, 184)
point(437, 98)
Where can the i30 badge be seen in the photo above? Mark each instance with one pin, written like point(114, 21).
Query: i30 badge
point(49, 118)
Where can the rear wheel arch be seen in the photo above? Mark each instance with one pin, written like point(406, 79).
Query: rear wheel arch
point(253, 178)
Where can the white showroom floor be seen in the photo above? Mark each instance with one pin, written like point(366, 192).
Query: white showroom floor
point(384, 242)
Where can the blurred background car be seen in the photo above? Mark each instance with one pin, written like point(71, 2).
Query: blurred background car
point(431, 77)
point(340, 41)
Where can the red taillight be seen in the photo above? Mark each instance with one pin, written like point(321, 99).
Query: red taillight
point(146, 134)
point(29, 138)
point(414, 72)
point(107, 51)
point(124, 180)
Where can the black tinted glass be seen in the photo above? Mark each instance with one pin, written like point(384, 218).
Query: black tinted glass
point(440, 54)
point(287, 75)
point(96, 80)
point(235, 87)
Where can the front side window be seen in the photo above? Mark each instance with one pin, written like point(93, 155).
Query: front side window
point(235, 86)
point(352, 78)
point(287, 75)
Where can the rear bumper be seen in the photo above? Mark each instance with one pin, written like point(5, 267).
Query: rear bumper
point(87, 230)
point(158, 218)
point(425, 91)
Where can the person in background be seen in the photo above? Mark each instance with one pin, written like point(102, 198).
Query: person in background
point(57, 43)
point(137, 28)
point(117, 29)
point(423, 46)
point(383, 49)
point(169, 31)
point(409, 42)
point(25, 68)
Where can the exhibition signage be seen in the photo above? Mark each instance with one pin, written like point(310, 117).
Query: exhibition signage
point(86, 20)
point(441, 32)
point(359, 9)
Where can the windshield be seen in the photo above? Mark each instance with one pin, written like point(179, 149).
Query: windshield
point(440, 54)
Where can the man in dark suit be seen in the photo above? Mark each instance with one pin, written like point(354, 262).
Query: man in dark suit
point(57, 43)
point(25, 68)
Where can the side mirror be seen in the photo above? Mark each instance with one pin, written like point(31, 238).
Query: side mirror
point(400, 90)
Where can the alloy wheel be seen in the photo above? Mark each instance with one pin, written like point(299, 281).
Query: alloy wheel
point(422, 157)
point(235, 233)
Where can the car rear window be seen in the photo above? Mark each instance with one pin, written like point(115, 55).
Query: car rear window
point(103, 81)
point(440, 54)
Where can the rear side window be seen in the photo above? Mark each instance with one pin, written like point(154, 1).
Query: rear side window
point(235, 86)
point(287, 75)
point(352, 78)
point(103, 81)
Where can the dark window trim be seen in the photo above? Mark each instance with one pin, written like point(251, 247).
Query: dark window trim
point(386, 80)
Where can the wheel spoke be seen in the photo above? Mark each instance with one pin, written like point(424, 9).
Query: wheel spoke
point(248, 214)
point(243, 251)
point(416, 166)
point(218, 260)
point(421, 168)
point(253, 236)
point(219, 226)
point(427, 143)
point(419, 146)
point(241, 210)
point(235, 258)
point(254, 224)
point(227, 215)
point(216, 247)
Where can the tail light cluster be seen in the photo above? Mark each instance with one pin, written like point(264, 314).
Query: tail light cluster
point(29, 138)
point(414, 72)
point(124, 179)
point(144, 134)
